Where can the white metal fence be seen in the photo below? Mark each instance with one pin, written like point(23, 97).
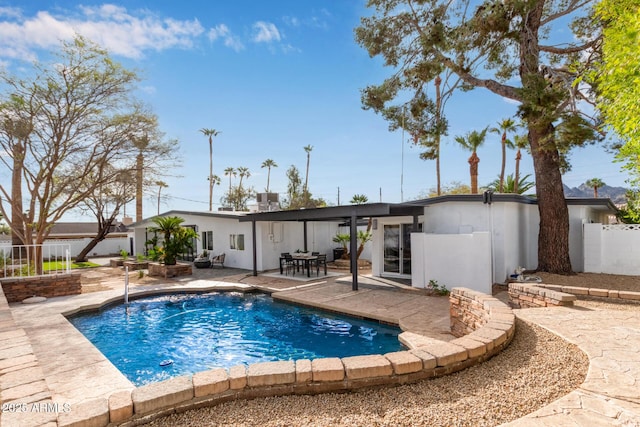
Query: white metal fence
point(34, 260)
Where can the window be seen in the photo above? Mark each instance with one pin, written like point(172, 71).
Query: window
point(207, 240)
point(236, 241)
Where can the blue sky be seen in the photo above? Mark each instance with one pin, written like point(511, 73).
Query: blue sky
point(273, 77)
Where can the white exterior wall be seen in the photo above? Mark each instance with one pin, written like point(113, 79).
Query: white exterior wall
point(612, 249)
point(272, 238)
point(109, 246)
point(277, 237)
point(452, 260)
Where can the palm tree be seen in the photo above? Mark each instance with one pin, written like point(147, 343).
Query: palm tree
point(308, 149)
point(472, 141)
point(231, 172)
point(242, 173)
point(595, 183)
point(268, 164)
point(504, 126)
point(169, 226)
point(210, 133)
point(161, 185)
point(510, 185)
point(363, 236)
point(520, 142)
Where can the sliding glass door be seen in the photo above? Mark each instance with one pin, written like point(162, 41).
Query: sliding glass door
point(397, 249)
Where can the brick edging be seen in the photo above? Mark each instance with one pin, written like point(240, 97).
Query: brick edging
point(491, 328)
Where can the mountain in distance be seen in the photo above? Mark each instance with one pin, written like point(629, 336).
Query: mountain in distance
point(616, 194)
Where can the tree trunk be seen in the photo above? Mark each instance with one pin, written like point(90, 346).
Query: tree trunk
point(104, 227)
point(553, 237)
point(17, 220)
point(504, 161)
point(210, 174)
point(473, 171)
point(361, 247)
point(517, 175)
point(438, 82)
point(139, 165)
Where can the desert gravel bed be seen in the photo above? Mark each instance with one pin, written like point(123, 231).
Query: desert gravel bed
point(536, 369)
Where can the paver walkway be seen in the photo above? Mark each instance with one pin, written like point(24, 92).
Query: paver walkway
point(610, 394)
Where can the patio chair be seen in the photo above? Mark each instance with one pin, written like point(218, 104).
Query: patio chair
point(289, 264)
point(321, 261)
point(218, 259)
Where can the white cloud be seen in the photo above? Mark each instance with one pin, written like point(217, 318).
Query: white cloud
point(113, 27)
point(222, 31)
point(265, 32)
point(291, 21)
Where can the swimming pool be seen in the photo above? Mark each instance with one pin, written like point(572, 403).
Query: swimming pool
point(156, 338)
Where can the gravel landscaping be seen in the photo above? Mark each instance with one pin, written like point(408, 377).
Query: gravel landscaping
point(537, 368)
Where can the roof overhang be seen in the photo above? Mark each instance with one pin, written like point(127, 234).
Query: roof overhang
point(337, 213)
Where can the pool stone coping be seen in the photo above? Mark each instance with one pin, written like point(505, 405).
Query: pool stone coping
point(491, 326)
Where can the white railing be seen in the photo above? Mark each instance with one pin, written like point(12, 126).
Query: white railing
point(34, 260)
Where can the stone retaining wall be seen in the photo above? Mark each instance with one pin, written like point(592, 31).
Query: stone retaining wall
point(593, 292)
point(490, 322)
point(17, 289)
point(525, 295)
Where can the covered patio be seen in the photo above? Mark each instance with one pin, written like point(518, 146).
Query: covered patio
point(348, 214)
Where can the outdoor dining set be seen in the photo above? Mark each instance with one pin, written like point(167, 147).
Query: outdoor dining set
point(294, 262)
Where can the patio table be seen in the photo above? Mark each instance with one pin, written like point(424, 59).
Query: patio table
point(305, 260)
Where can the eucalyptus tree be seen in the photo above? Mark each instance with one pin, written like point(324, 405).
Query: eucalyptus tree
point(80, 110)
point(595, 183)
point(269, 163)
point(504, 126)
point(210, 133)
point(472, 141)
point(506, 48)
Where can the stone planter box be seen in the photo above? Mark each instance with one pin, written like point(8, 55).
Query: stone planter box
point(116, 262)
point(179, 269)
point(137, 265)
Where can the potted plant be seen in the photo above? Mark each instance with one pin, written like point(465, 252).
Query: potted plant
point(203, 260)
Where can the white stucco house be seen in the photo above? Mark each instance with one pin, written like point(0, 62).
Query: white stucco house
point(457, 240)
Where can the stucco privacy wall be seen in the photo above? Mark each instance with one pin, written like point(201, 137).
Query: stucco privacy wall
point(452, 260)
point(612, 249)
point(109, 246)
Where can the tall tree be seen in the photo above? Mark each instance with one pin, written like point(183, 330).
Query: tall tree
point(504, 126)
point(161, 185)
point(269, 163)
point(79, 107)
point(503, 47)
point(243, 172)
point(128, 177)
point(231, 172)
point(472, 141)
point(305, 189)
point(617, 75)
point(595, 183)
point(520, 142)
point(210, 133)
point(16, 130)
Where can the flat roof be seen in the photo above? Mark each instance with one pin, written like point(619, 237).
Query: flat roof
point(337, 213)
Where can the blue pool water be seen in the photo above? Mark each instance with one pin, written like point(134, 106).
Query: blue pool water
point(200, 332)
